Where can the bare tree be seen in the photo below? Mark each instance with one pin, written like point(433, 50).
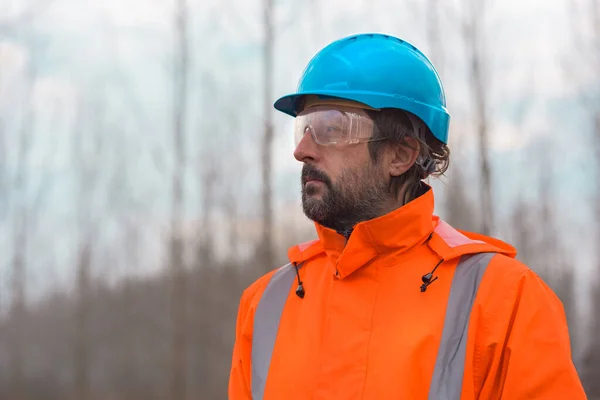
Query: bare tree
point(433, 32)
point(473, 33)
point(18, 299)
point(4, 180)
point(81, 350)
point(535, 229)
point(582, 69)
point(591, 362)
point(87, 150)
point(230, 193)
point(522, 230)
point(21, 232)
point(596, 149)
point(177, 267)
point(266, 246)
point(457, 205)
point(552, 258)
point(208, 176)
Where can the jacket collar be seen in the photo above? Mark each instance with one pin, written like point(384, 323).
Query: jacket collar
point(398, 231)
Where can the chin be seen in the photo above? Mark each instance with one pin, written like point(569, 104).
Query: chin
point(312, 194)
point(313, 208)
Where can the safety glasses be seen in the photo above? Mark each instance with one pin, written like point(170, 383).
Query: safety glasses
point(329, 127)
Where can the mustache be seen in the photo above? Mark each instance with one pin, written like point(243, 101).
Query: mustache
point(309, 171)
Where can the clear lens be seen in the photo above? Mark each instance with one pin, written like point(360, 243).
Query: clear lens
point(333, 127)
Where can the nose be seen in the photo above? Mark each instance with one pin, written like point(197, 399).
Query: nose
point(307, 149)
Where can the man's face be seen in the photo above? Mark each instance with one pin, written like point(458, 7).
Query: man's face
point(341, 184)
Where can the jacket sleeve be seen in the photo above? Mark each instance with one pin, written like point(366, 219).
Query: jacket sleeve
point(239, 377)
point(526, 353)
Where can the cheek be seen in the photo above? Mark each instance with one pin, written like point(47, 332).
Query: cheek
point(335, 166)
point(352, 167)
point(360, 177)
point(375, 170)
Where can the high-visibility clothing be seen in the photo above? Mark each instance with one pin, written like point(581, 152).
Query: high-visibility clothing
point(378, 320)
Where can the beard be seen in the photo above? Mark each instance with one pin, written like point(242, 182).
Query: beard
point(357, 196)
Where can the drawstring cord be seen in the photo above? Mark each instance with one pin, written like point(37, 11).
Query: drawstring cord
point(300, 292)
point(428, 279)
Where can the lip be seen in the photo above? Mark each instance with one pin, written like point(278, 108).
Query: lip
point(313, 180)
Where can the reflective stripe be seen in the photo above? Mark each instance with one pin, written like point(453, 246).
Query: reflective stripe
point(452, 237)
point(446, 383)
point(450, 364)
point(266, 323)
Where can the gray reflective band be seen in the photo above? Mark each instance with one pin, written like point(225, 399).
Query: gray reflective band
point(266, 322)
point(446, 383)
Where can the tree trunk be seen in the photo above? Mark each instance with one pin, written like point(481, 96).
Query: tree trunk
point(17, 310)
point(87, 180)
point(82, 313)
point(433, 34)
point(20, 242)
point(473, 35)
point(208, 176)
point(266, 248)
point(177, 267)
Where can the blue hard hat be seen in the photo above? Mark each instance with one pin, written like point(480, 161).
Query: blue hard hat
point(380, 71)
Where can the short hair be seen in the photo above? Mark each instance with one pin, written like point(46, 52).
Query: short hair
point(396, 126)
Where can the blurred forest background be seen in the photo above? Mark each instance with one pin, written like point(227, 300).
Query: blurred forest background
point(145, 179)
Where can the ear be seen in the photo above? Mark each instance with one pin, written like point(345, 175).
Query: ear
point(403, 157)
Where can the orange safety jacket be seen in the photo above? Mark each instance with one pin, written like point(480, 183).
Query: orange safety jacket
point(366, 326)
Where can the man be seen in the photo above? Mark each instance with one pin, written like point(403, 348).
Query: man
point(390, 302)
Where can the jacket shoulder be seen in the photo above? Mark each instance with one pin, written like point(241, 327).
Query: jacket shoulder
point(510, 281)
point(259, 284)
point(252, 294)
point(507, 270)
point(510, 266)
